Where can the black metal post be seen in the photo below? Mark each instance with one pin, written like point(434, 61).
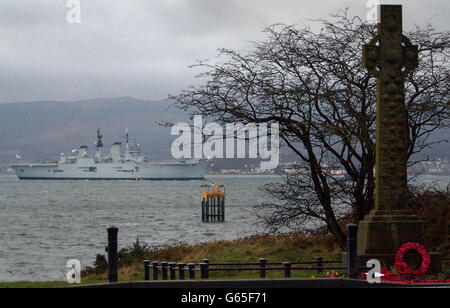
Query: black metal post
point(181, 270)
point(215, 209)
point(352, 256)
point(211, 217)
point(155, 265)
point(207, 210)
point(213, 206)
point(204, 270)
point(164, 270)
point(203, 211)
point(223, 209)
point(172, 270)
point(210, 209)
point(112, 253)
point(319, 265)
point(219, 209)
point(191, 267)
point(262, 265)
point(287, 269)
point(146, 270)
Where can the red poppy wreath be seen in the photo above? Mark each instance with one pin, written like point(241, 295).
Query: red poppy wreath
point(404, 268)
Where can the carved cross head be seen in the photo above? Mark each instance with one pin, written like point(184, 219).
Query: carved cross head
point(390, 49)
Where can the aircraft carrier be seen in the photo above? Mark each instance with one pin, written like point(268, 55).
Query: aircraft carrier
point(117, 165)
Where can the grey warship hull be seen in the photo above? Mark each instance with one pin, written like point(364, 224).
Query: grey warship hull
point(145, 171)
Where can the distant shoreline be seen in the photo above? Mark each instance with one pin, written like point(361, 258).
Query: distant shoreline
point(268, 174)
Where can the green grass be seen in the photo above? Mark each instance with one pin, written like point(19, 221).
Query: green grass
point(44, 284)
point(275, 248)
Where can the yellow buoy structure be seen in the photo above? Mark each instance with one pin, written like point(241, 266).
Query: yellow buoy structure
point(213, 202)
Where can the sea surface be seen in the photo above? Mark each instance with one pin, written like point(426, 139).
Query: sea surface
point(43, 224)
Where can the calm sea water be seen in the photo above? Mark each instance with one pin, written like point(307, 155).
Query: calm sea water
point(43, 224)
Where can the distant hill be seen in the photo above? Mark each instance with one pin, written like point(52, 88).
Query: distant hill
point(41, 130)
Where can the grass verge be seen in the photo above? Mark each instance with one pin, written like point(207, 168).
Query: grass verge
point(275, 248)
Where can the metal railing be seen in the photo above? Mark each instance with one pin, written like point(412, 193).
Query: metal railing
point(169, 270)
point(182, 271)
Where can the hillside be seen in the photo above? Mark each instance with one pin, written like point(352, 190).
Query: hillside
point(42, 130)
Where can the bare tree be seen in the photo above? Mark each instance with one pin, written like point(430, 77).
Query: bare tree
point(314, 86)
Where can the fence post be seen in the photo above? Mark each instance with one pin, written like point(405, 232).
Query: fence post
point(207, 210)
point(204, 270)
point(164, 270)
point(172, 270)
point(319, 265)
point(181, 271)
point(262, 265)
point(223, 209)
point(146, 270)
point(206, 261)
point(203, 211)
point(155, 265)
point(191, 267)
point(287, 269)
point(352, 257)
point(112, 253)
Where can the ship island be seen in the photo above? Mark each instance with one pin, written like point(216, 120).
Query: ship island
point(117, 165)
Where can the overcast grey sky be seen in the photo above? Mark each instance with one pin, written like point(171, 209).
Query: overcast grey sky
point(143, 48)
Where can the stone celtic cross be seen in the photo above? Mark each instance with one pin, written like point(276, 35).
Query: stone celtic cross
point(390, 56)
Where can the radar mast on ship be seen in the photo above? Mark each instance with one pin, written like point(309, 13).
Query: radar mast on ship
point(99, 146)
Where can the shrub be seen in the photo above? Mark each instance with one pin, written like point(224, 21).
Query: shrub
point(433, 208)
